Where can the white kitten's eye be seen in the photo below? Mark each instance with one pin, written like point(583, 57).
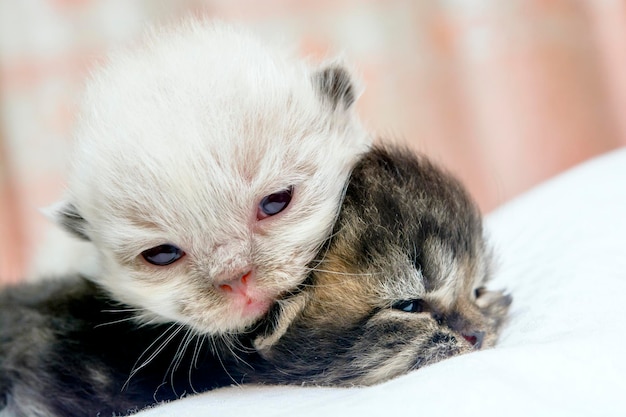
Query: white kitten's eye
point(273, 204)
point(410, 306)
point(162, 255)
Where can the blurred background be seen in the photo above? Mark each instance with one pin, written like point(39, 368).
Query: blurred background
point(505, 94)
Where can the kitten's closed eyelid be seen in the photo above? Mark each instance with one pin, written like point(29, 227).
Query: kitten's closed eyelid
point(274, 203)
point(410, 306)
point(478, 292)
point(163, 255)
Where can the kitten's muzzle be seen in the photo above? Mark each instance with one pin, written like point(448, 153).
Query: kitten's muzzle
point(243, 294)
point(456, 322)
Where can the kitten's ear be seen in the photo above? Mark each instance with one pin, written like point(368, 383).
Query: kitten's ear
point(67, 216)
point(335, 86)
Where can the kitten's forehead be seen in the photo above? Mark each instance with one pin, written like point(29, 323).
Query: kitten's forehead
point(447, 277)
point(426, 241)
point(201, 123)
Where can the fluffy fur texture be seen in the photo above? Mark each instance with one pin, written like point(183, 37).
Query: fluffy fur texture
point(180, 139)
point(399, 285)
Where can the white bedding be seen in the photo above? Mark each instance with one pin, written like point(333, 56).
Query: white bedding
point(562, 252)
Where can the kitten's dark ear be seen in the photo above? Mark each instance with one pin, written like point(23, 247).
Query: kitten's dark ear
point(67, 216)
point(335, 86)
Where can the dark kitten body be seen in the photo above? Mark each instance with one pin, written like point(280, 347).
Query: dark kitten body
point(67, 349)
point(399, 285)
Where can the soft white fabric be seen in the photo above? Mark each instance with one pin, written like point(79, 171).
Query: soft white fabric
point(562, 252)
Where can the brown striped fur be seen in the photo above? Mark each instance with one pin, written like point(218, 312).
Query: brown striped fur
point(407, 232)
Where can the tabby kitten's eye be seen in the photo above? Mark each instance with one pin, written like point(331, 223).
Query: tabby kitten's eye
point(162, 255)
point(410, 306)
point(479, 291)
point(273, 204)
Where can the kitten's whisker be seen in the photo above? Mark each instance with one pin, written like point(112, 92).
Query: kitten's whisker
point(197, 350)
point(364, 274)
point(180, 351)
point(122, 310)
point(237, 344)
point(154, 394)
point(239, 358)
point(144, 320)
point(178, 358)
point(316, 285)
point(109, 323)
point(217, 355)
point(330, 237)
point(153, 343)
point(194, 359)
point(168, 339)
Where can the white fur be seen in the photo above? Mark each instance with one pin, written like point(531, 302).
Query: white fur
point(179, 139)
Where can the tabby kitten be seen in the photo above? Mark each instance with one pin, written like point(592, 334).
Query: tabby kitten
point(400, 285)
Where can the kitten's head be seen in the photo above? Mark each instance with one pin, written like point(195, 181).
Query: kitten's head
point(400, 285)
point(208, 170)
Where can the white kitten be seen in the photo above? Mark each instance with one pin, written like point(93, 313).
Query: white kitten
point(209, 168)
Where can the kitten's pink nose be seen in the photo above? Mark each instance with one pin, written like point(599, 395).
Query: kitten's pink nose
point(237, 284)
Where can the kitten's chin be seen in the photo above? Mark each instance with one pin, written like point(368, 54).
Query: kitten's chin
point(254, 309)
point(244, 312)
point(237, 315)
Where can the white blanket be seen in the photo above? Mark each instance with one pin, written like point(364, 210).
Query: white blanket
point(562, 253)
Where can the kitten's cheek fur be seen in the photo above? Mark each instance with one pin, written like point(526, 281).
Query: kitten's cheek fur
point(494, 307)
point(424, 343)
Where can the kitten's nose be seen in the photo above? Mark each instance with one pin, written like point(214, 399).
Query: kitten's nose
point(475, 338)
point(237, 283)
point(460, 324)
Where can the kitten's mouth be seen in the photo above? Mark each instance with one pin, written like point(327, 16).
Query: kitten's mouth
point(250, 308)
point(474, 338)
point(255, 308)
point(471, 339)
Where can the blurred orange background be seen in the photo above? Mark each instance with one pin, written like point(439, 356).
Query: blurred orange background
point(503, 93)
